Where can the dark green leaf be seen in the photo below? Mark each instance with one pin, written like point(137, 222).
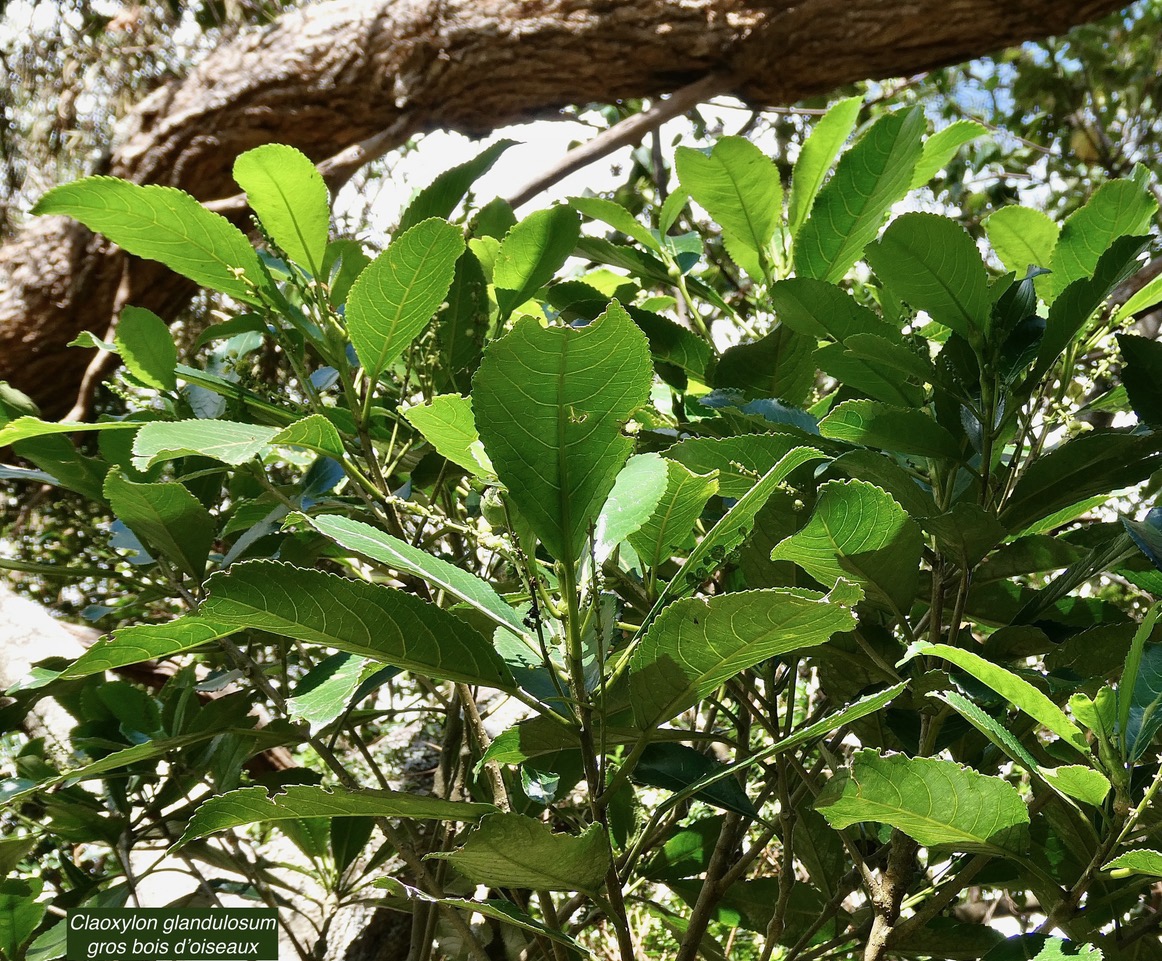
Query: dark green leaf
point(165, 516)
point(781, 365)
point(441, 197)
point(873, 424)
point(674, 767)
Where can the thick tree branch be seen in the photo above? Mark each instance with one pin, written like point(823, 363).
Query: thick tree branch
point(342, 73)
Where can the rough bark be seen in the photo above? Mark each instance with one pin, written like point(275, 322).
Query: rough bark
point(332, 74)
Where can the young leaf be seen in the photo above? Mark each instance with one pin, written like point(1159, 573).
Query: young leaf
point(868, 179)
point(252, 805)
point(531, 254)
point(514, 851)
point(817, 155)
point(448, 424)
point(898, 429)
point(314, 432)
point(323, 692)
point(225, 441)
point(163, 224)
point(696, 644)
point(933, 264)
point(396, 296)
point(1010, 686)
point(937, 803)
point(143, 340)
point(550, 405)
point(1022, 237)
point(942, 146)
point(739, 187)
point(617, 217)
point(370, 620)
point(1118, 208)
point(859, 533)
point(672, 521)
point(1144, 861)
point(290, 198)
point(441, 197)
point(401, 556)
point(635, 495)
point(167, 517)
point(26, 428)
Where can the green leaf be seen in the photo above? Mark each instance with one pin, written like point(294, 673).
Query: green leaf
point(672, 344)
point(671, 524)
point(1143, 861)
point(1078, 782)
point(503, 911)
point(314, 432)
point(739, 187)
point(696, 644)
point(859, 533)
point(13, 850)
point(398, 555)
point(937, 803)
point(817, 155)
point(822, 310)
point(869, 178)
point(933, 264)
point(146, 642)
point(1118, 208)
point(635, 495)
point(514, 851)
point(781, 365)
point(942, 146)
point(896, 429)
point(397, 294)
point(462, 327)
point(370, 620)
point(144, 342)
point(1022, 238)
point(740, 461)
point(50, 945)
point(25, 428)
point(163, 224)
point(1010, 686)
point(323, 692)
point(1147, 297)
point(550, 406)
point(1145, 713)
point(226, 441)
point(448, 424)
point(20, 913)
point(966, 533)
point(290, 198)
point(531, 254)
point(252, 805)
point(167, 517)
point(673, 767)
point(65, 464)
point(443, 195)
point(617, 217)
point(1095, 463)
point(1142, 376)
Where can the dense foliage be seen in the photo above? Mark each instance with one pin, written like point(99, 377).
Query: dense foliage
point(798, 591)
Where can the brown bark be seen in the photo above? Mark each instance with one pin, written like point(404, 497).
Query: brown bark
point(335, 73)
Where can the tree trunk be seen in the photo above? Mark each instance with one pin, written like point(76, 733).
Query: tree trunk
point(330, 75)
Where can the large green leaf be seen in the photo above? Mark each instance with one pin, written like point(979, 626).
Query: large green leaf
point(370, 620)
point(514, 851)
point(1012, 687)
point(897, 429)
point(1095, 463)
point(290, 198)
point(859, 533)
point(167, 517)
point(822, 310)
point(550, 406)
point(1118, 208)
point(695, 644)
point(781, 365)
point(531, 254)
point(869, 178)
point(443, 195)
point(448, 424)
point(942, 146)
point(227, 441)
point(1144, 861)
point(163, 224)
point(933, 264)
point(739, 187)
point(144, 342)
point(252, 805)
point(672, 521)
point(146, 642)
point(397, 294)
point(938, 803)
point(401, 556)
point(27, 428)
point(1022, 238)
point(817, 155)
